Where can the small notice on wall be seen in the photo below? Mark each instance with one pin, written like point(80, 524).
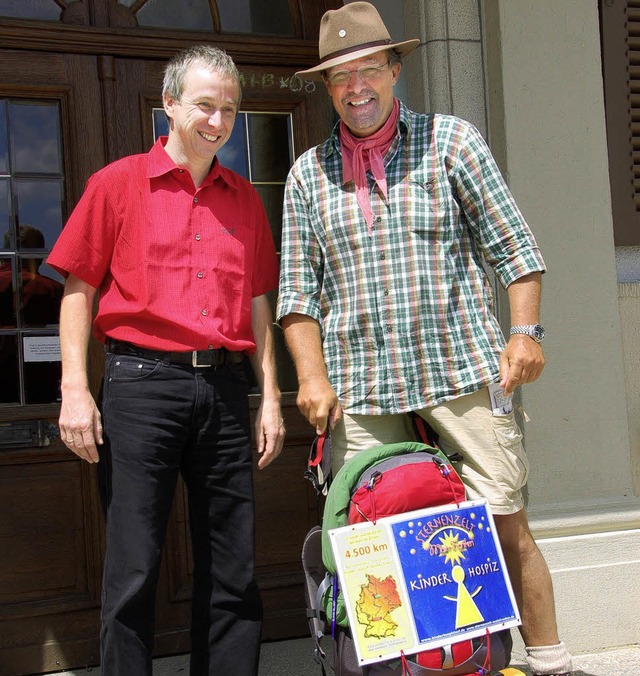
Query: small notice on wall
point(41, 348)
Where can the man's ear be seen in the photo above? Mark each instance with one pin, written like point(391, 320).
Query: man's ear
point(395, 70)
point(167, 103)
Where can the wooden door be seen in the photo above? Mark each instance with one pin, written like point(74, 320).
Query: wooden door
point(50, 553)
point(51, 528)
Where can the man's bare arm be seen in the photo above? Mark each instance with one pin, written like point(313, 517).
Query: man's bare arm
point(317, 400)
point(523, 359)
point(270, 429)
point(80, 422)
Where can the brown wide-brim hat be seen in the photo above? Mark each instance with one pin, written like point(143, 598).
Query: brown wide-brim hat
point(352, 32)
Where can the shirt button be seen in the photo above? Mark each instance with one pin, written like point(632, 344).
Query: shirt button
point(211, 347)
point(181, 171)
point(379, 219)
point(204, 312)
point(198, 238)
point(200, 275)
point(389, 328)
point(382, 256)
point(386, 292)
point(195, 199)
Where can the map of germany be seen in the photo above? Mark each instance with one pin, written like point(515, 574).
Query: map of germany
point(378, 599)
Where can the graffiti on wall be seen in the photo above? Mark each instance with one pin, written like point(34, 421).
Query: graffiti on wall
point(272, 81)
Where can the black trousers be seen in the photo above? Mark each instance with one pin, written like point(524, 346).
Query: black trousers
point(162, 419)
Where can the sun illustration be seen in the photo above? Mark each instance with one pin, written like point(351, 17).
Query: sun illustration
point(450, 548)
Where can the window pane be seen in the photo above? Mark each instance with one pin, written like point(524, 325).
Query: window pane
point(7, 294)
point(4, 140)
point(6, 238)
point(40, 293)
point(30, 9)
point(42, 382)
point(38, 203)
point(9, 384)
point(233, 153)
point(185, 15)
point(272, 197)
point(35, 141)
point(160, 123)
point(255, 16)
point(271, 156)
point(31, 218)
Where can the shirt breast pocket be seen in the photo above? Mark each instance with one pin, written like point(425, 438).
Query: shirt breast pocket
point(429, 206)
point(127, 254)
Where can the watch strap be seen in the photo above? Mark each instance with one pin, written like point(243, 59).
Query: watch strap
point(535, 331)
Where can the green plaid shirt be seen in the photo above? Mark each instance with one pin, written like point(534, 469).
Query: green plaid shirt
point(406, 311)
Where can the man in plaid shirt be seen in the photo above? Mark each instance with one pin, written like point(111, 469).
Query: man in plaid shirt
point(385, 304)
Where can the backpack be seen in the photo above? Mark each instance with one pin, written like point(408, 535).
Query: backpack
point(383, 481)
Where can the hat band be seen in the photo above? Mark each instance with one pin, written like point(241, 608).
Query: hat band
point(357, 48)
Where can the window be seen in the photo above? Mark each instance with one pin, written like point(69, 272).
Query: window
point(227, 16)
point(620, 22)
point(31, 217)
point(261, 150)
point(258, 17)
point(32, 9)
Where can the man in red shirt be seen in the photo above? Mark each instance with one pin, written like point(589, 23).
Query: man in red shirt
point(180, 252)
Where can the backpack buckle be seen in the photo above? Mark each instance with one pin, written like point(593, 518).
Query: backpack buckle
point(375, 478)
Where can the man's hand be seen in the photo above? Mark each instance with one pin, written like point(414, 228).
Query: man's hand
point(521, 362)
point(80, 424)
point(270, 432)
point(316, 400)
point(318, 403)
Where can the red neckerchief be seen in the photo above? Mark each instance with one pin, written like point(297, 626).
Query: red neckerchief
point(361, 154)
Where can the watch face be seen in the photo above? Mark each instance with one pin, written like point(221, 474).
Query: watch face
point(538, 333)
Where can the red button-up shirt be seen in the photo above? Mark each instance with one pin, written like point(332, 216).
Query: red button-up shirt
point(176, 266)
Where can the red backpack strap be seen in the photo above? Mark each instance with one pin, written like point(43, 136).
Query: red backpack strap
point(423, 431)
point(318, 470)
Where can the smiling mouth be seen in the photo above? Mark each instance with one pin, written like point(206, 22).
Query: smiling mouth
point(209, 137)
point(361, 102)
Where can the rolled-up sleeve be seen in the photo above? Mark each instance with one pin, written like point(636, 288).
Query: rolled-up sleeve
point(496, 223)
point(301, 264)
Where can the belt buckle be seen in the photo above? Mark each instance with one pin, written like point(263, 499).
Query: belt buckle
point(194, 361)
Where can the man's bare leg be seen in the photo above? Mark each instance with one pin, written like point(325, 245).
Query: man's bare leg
point(533, 589)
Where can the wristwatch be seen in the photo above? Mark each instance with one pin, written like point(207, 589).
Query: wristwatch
point(535, 331)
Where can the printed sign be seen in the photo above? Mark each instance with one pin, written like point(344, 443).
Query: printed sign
point(423, 579)
point(41, 348)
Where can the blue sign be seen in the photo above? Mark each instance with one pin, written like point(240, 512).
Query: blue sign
point(454, 572)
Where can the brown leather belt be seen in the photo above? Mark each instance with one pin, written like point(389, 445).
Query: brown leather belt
point(196, 358)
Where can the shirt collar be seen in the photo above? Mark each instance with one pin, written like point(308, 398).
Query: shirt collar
point(159, 163)
point(404, 127)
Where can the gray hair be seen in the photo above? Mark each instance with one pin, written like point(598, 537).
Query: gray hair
point(394, 57)
point(211, 58)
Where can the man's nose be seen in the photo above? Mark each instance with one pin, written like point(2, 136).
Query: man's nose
point(215, 119)
point(356, 81)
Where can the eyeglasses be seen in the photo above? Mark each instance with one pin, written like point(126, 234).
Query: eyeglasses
point(368, 73)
